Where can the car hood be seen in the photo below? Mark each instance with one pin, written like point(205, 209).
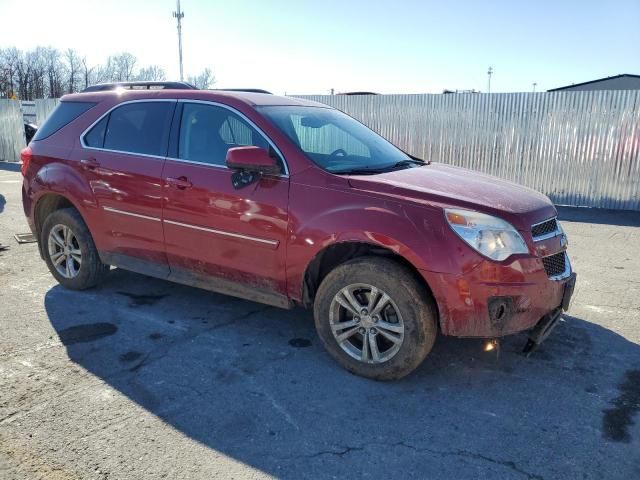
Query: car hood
point(448, 186)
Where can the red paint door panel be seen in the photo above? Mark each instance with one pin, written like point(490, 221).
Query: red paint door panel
point(122, 157)
point(210, 228)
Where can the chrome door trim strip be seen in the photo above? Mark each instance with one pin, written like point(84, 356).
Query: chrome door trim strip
point(131, 214)
point(221, 167)
point(222, 232)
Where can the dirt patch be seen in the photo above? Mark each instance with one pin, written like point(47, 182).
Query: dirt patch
point(300, 342)
point(140, 300)
point(86, 333)
point(130, 356)
point(617, 420)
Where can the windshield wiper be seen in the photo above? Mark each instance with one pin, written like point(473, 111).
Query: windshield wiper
point(360, 171)
point(372, 171)
point(405, 163)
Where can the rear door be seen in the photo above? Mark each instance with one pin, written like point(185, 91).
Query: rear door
point(230, 240)
point(122, 155)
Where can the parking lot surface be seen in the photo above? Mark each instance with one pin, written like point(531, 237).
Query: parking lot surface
point(141, 378)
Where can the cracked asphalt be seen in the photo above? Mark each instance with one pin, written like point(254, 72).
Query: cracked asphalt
point(141, 378)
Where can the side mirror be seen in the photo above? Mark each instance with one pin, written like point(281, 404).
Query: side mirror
point(249, 164)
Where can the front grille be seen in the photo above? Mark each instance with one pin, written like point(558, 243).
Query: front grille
point(555, 265)
point(541, 229)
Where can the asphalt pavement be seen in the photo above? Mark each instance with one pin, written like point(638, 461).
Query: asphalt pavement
point(141, 378)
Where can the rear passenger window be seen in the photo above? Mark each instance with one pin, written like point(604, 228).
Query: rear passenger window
point(63, 114)
point(140, 127)
point(207, 132)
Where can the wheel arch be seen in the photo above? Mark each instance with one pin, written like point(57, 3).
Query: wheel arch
point(337, 253)
point(44, 206)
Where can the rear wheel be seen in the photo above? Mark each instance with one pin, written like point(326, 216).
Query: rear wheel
point(375, 318)
point(69, 250)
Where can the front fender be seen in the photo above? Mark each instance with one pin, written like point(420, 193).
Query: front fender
point(322, 218)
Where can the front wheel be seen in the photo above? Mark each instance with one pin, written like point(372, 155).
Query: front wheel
point(375, 318)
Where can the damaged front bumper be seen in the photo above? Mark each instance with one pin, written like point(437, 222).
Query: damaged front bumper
point(496, 300)
point(547, 323)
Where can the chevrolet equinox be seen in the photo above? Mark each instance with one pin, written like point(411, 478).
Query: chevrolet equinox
point(290, 202)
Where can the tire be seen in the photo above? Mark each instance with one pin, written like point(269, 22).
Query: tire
point(85, 270)
point(415, 314)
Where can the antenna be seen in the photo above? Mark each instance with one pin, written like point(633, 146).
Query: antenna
point(535, 84)
point(489, 73)
point(179, 15)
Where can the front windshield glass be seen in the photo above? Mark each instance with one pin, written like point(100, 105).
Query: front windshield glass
point(335, 141)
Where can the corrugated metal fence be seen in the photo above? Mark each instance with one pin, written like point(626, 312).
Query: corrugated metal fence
point(580, 148)
point(11, 131)
point(43, 108)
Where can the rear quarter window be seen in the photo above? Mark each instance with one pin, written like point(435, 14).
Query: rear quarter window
point(63, 114)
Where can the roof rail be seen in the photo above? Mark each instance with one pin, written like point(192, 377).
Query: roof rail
point(248, 90)
point(102, 87)
point(358, 93)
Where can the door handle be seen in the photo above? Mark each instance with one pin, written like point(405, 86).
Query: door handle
point(89, 163)
point(180, 183)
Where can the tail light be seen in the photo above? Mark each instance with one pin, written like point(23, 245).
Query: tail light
point(25, 156)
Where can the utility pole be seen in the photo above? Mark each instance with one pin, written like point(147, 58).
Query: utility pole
point(179, 15)
point(534, 87)
point(489, 73)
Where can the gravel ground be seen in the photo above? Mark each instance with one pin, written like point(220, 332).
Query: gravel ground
point(142, 378)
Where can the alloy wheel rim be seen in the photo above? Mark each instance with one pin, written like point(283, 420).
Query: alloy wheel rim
point(366, 323)
point(64, 251)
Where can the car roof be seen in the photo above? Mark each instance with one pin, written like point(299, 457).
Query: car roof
point(249, 98)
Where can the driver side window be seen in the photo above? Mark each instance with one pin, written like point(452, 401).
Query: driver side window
point(328, 139)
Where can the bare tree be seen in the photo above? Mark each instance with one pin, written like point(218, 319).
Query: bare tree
point(121, 67)
point(206, 79)
point(48, 72)
point(8, 60)
point(152, 73)
point(87, 73)
point(37, 64)
point(54, 72)
point(74, 67)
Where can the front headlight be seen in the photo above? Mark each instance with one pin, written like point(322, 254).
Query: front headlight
point(491, 236)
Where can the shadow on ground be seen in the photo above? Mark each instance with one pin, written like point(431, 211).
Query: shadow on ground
point(253, 383)
point(10, 166)
point(602, 216)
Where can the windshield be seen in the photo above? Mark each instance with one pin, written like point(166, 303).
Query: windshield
point(335, 141)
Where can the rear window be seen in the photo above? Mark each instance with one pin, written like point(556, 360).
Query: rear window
point(141, 127)
point(63, 114)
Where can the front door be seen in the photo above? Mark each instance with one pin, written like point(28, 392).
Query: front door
point(218, 237)
point(122, 156)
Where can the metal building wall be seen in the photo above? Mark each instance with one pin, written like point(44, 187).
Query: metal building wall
point(579, 148)
point(11, 131)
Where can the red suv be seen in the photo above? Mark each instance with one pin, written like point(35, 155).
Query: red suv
point(290, 202)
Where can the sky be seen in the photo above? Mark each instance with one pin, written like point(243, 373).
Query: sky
point(311, 47)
